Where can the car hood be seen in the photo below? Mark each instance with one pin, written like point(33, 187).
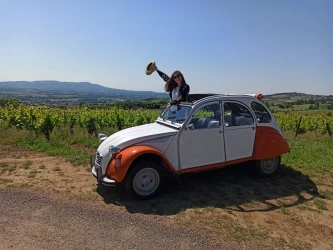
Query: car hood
point(130, 136)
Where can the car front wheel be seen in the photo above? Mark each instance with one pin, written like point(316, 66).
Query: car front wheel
point(267, 167)
point(144, 180)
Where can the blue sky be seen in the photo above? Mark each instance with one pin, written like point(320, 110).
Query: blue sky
point(236, 46)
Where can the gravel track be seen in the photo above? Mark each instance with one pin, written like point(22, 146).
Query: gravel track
point(29, 220)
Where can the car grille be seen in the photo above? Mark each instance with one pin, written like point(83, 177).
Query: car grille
point(98, 159)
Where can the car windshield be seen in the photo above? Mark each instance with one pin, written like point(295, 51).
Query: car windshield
point(176, 113)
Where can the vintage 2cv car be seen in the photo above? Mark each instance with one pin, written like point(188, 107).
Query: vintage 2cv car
point(208, 131)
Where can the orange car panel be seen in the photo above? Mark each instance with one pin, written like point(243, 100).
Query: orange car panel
point(269, 143)
point(120, 163)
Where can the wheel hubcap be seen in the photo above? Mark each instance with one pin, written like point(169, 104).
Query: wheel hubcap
point(269, 165)
point(146, 181)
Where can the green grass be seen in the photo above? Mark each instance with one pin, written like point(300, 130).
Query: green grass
point(281, 242)
point(326, 194)
point(3, 181)
point(320, 204)
point(57, 146)
point(79, 137)
point(33, 173)
point(5, 167)
point(284, 210)
point(310, 152)
point(27, 165)
point(42, 167)
point(210, 209)
point(306, 207)
point(56, 149)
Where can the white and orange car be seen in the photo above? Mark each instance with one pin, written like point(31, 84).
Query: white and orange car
point(208, 132)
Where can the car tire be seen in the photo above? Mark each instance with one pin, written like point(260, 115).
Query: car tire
point(144, 180)
point(268, 167)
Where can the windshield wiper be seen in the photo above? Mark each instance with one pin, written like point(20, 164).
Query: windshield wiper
point(179, 120)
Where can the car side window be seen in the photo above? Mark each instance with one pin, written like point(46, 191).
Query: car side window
point(261, 112)
point(236, 114)
point(207, 117)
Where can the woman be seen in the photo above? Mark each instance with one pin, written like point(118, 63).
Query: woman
point(176, 86)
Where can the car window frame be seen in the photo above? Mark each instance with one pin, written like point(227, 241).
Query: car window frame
point(196, 109)
point(182, 123)
point(254, 118)
point(267, 111)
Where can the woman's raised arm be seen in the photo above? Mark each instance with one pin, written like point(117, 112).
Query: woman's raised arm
point(164, 76)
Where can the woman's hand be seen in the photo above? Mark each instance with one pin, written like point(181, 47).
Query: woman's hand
point(168, 107)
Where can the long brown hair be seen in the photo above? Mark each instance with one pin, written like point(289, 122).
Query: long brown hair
point(171, 83)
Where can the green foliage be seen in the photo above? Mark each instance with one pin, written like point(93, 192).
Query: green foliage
point(318, 123)
point(5, 102)
point(43, 120)
point(144, 104)
point(314, 106)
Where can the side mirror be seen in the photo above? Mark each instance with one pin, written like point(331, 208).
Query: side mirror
point(102, 137)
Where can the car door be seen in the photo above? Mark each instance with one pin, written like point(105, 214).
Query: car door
point(202, 144)
point(239, 130)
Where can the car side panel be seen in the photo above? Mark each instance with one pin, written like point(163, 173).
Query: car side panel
point(214, 166)
point(269, 143)
point(161, 144)
point(119, 164)
point(172, 153)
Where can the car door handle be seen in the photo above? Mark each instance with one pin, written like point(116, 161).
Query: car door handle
point(220, 132)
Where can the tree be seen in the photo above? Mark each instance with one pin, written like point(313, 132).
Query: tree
point(311, 101)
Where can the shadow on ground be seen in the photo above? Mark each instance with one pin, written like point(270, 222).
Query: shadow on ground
point(236, 188)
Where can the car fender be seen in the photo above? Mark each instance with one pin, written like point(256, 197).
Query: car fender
point(269, 143)
point(120, 163)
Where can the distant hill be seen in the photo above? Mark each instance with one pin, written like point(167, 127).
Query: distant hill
point(55, 92)
point(294, 96)
point(71, 86)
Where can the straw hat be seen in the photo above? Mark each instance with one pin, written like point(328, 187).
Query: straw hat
point(150, 68)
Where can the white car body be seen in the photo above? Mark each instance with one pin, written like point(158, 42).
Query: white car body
point(220, 142)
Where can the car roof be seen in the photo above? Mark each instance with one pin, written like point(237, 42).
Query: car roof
point(198, 98)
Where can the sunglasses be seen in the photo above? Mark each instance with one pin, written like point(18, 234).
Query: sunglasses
point(176, 76)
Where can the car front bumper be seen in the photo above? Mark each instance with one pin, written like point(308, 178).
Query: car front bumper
point(96, 171)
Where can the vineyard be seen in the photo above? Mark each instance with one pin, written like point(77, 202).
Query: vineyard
point(42, 119)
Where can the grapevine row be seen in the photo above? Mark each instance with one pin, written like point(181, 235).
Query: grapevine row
point(44, 119)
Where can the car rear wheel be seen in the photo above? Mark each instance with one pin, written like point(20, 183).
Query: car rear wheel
point(144, 180)
point(267, 167)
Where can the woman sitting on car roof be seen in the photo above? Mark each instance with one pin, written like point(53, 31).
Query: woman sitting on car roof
point(176, 86)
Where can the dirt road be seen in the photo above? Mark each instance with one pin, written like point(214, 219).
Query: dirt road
point(33, 221)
